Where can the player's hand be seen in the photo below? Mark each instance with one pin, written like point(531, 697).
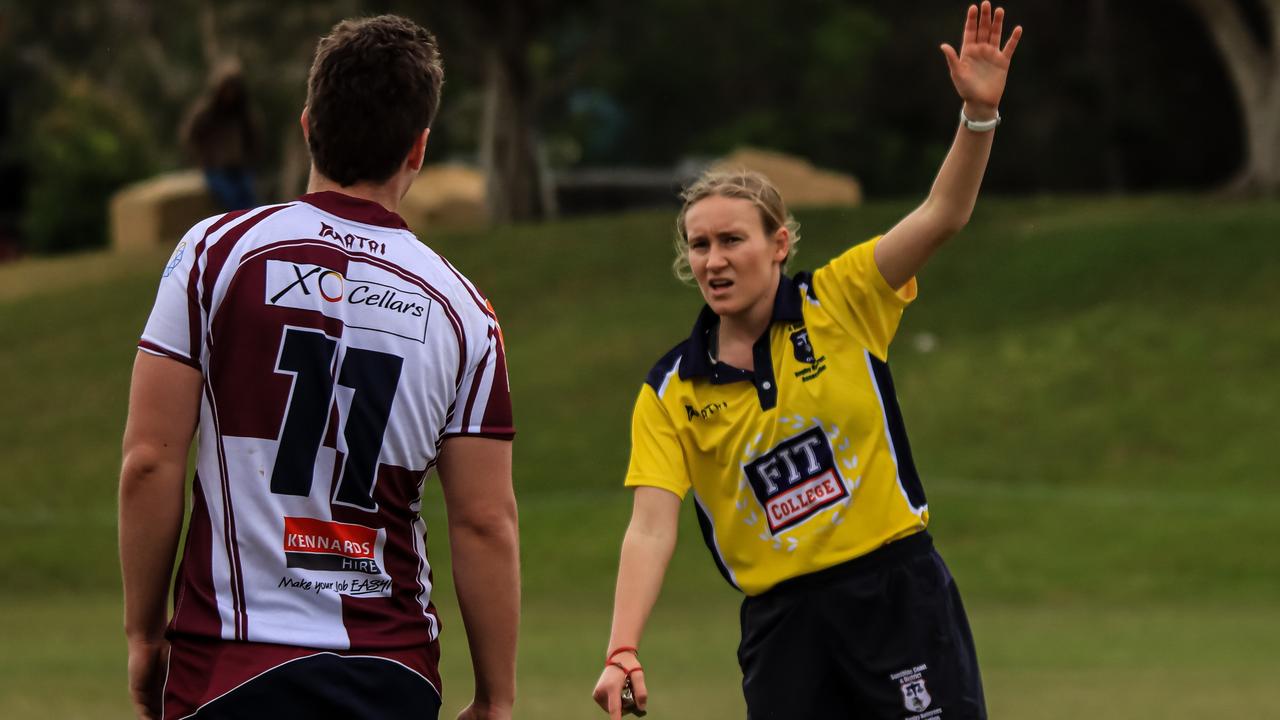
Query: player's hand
point(608, 692)
point(480, 711)
point(147, 661)
point(980, 68)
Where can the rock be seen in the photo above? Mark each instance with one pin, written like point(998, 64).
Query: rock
point(158, 211)
point(446, 196)
point(800, 183)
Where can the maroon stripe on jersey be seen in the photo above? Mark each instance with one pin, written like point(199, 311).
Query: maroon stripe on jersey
point(195, 606)
point(202, 669)
point(402, 619)
point(355, 209)
point(193, 283)
point(221, 250)
point(498, 418)
point(155, 349)
point(476, 380)
point(230, 541)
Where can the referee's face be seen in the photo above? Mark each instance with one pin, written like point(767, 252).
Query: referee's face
point(735, 263)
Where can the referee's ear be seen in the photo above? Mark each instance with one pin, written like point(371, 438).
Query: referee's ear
point(782, 238)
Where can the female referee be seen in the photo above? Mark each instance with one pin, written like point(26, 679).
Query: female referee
point(778, 412)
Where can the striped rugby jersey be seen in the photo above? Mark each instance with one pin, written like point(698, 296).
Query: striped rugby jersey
point(803, 463)
point(338, 353)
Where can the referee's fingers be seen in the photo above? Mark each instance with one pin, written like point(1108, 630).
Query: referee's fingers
point(608, 695)
point(639, 689)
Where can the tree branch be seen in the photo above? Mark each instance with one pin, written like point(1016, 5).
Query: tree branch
point(1246, 61)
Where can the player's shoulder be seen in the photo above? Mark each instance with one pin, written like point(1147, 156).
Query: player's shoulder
point(667, 369)
point(467, 298)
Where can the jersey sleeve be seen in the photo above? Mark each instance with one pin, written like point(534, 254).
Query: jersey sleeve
point(657, 459)
point(483, 406)
point(175, 328)
point(855, 294)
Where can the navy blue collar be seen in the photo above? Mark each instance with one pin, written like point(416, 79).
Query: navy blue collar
point(788, 306)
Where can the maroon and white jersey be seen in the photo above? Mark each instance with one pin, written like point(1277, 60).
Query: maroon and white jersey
point(338, 353)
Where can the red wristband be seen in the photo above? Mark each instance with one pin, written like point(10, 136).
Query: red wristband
point(623, 668)
point(617, 651)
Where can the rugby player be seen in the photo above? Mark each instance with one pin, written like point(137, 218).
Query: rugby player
point(778, 413)
point(328, 361)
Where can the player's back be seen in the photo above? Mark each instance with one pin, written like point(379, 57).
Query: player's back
point(338, 353)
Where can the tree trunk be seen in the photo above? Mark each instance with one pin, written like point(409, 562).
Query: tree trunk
point(507, 151)
point(1255, 74)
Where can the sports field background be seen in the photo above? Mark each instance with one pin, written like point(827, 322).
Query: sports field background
point(1091, 391)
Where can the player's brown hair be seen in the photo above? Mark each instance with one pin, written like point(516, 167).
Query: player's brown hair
point(745, 185)
point(374, 86)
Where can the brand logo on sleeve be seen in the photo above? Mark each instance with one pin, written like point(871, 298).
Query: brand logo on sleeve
point(333, 546)
point(178, 252)
point(381, 306)
point(796, 479)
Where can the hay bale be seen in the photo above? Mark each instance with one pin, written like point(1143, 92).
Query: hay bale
point(446, 196)
point(800, 183)
point(158, 211)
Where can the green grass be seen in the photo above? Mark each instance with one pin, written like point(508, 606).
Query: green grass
point(1094, 422)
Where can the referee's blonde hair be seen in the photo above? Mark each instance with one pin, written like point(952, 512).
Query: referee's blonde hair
point(737, 183)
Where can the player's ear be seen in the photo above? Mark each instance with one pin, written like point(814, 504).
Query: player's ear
point(306, 132)
point(418, 153)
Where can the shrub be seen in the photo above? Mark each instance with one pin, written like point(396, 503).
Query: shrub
point(81, 151)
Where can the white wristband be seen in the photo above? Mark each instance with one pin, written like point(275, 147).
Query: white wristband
point(979, 126)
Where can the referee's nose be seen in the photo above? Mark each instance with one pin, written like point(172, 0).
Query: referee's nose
point(717, 259)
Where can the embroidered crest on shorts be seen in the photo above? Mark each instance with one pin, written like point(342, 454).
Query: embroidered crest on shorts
point(915, 694)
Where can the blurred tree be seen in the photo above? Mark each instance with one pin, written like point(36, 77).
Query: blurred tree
point(528, 55)
point(1248, 37)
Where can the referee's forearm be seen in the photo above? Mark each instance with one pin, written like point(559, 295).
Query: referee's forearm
point(150, 520)
point(641, 568)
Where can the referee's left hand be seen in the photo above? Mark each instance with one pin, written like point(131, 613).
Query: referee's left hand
point(608, 692)
point(147, 660)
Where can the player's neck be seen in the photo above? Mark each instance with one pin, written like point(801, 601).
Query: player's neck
point(387, 194)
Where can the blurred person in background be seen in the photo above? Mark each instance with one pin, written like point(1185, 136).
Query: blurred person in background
point(221, 132)
point(328, 361)
point(779, 413)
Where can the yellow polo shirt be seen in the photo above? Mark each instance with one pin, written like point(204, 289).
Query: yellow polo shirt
point(804, 463)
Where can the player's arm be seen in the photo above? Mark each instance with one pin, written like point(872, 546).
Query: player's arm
point(164, 402)
point(978, 72)
point(646, 551)
point(475, 475)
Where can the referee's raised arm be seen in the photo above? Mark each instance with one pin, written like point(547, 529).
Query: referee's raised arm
point(978, 72)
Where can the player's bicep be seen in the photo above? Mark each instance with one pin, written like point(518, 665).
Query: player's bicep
point(475, 477)
point(164, 406)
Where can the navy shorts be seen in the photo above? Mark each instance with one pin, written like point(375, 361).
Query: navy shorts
point(881, 636)
point(216, 680)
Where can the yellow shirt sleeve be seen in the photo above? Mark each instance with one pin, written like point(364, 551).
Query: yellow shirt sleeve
point(657, 459)
point(852, 291)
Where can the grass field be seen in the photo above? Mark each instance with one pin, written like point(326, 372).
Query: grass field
point(1090, 386)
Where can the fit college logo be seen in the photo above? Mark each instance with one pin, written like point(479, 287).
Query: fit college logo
point(796, 479)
